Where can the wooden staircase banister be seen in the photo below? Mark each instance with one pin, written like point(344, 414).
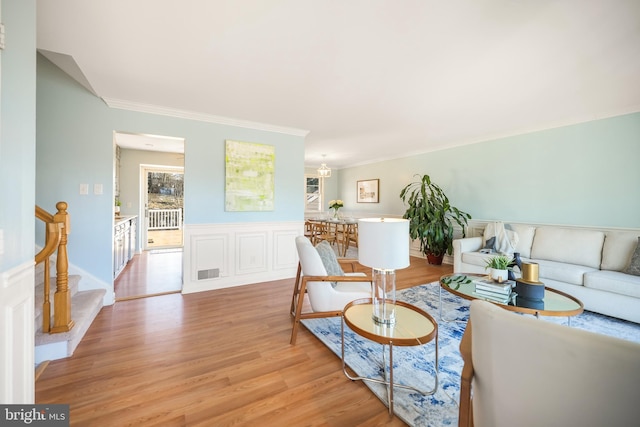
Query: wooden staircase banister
point(56, 231)
point(43, 215)
point(53, 235)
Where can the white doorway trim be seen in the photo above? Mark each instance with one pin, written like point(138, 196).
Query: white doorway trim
point(145, 169)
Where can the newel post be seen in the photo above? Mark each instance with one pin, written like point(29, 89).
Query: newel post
point(62, 298)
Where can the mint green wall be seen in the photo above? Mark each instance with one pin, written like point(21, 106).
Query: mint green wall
point(75, 145)
point(17, 132)
point(585, 174)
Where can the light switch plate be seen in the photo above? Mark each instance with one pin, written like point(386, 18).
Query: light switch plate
point(84, 189)
point(97, 188)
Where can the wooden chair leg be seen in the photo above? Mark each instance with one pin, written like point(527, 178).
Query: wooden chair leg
point(296, 290)
point(296, 319)
point(465, 413)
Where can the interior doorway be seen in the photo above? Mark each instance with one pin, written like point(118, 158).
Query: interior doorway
point(149, 183)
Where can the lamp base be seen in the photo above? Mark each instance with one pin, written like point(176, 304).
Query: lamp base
point(390, 321)
point(383, 295)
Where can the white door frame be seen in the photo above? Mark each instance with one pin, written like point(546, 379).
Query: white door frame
point(144, 198)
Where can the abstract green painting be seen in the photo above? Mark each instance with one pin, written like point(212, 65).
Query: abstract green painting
point(250, 176)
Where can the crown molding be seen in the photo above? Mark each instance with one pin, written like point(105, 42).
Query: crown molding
point(190, 115)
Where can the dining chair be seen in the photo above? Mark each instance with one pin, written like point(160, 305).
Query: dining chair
point(349, 237)
point(308, 230)
point(325, 230)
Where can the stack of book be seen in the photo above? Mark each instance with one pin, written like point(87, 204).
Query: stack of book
point(493, 291)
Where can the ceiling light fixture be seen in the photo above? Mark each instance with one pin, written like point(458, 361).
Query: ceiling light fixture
point(323, 170)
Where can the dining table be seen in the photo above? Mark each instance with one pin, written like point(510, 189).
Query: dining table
point(342, 231)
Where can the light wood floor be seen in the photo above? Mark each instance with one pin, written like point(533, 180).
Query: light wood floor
point(150, 273)
point(217, 358)
point(164, 238)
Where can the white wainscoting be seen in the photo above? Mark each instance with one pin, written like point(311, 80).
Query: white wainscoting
point(17, 335)
point(224, 255)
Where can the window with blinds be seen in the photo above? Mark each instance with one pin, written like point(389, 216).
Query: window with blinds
point(313, 193)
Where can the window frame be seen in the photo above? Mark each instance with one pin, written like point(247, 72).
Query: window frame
point(320, 191)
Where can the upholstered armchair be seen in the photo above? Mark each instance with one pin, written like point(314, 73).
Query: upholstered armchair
point(526, 372)
point(328, 291)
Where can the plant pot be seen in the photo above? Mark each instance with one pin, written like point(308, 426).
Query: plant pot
point(499, 275)
point(434, 259)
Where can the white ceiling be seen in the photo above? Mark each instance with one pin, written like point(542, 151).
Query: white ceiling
point(369, 80)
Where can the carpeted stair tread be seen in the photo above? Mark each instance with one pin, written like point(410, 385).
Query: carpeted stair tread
point(85, 305)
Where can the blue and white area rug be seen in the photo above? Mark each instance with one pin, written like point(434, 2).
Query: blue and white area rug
point(415, 365)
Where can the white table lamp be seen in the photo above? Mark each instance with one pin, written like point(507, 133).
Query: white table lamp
point(383, 245)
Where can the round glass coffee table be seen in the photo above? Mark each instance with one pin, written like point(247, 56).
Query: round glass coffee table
point(413, 327)
point(554, 303)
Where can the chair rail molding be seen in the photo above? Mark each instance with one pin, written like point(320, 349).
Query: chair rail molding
point(219, 256)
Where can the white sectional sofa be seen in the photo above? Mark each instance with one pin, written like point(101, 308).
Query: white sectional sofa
point(586, 263)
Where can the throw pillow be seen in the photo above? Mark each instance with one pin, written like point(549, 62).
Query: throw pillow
point(488, 246)
point(634, 265)
point(329, 260)
point(491, 243)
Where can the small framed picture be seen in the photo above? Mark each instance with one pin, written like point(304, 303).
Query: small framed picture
point(369, 191)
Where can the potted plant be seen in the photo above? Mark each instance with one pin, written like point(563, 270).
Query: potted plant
point(500, 266)
point(117, 206)
point(431, 218)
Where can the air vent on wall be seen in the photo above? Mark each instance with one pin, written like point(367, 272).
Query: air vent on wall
point(208, 274)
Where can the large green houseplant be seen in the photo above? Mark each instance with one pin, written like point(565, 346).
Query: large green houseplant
point(431, 218)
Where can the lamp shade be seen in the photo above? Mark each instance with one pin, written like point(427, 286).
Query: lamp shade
point(383, 243)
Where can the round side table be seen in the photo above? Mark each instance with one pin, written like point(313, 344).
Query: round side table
point(413, 327)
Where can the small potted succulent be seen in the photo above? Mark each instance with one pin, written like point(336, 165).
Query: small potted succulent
point(499, 266)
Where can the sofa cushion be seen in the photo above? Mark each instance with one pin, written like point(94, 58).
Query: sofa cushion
point(562, 272)
point(573, 246)
point(476, 258)
point(617, 250)
point(613, 281)
point(525, 238)
point(634, 264)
